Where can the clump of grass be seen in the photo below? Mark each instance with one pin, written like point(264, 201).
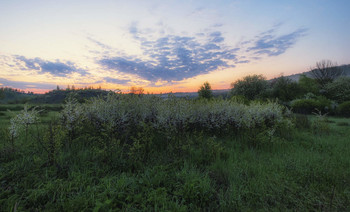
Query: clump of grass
point(302, 121)
point(320, 125)
point(343, 123)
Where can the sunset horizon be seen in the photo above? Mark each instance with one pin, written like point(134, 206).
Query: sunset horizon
point(165, 47)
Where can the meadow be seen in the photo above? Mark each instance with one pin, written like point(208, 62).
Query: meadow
point(143, 153)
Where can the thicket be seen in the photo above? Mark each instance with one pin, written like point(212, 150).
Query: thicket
point(338, 90)
point(344, 109)
point(312, 104)
point(305, 96)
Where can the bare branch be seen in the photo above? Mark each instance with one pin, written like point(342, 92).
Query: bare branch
point(325, 72)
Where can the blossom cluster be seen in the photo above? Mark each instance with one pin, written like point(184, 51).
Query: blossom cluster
point(72, 113)
point(22, 120)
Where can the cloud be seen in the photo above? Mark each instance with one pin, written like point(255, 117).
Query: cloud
point(216, 37)
point(56, 68)
point(100, 44)
point(173, 57)
point(116, 81)
point(269, 44)
point(25, 85)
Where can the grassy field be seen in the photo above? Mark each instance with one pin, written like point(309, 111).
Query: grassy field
point(305, 169)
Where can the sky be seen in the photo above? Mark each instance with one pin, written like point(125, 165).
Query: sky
point(165, 46)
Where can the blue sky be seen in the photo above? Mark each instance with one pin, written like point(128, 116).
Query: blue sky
point(165, 45)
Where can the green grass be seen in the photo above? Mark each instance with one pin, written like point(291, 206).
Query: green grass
point(309, 171)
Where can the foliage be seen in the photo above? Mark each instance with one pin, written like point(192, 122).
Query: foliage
point(308, 85)
point(143, 153)
point(1, 93)
point(339, 89)
point(205, 91)
point(239, 99)
point(343, 123)
point(284, 89)
point(310, 105)
point(344, 109)
point(320, 125)
point(251, 87)
point(302, 121)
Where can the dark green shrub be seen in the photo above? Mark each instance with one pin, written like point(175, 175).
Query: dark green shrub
point(307, 106)
point(344, 109)
point(284, 89)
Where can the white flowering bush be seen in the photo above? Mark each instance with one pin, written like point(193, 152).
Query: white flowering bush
point(120, 115)
point(22, 121)
point(71, 116)
point(14, 128)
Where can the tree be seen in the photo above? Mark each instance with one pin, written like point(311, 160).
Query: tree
point(252, 86)
point(308, 85)
point(325, 72)
point(205, 91)
point(2, 93)
point(136, 90)
point(339, 89)
point(284, 89)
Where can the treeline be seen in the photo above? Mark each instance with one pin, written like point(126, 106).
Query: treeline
point(325, 89)
point(57, 96)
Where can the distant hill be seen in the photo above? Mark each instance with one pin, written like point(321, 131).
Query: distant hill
point(295, 77)
point(14, 96)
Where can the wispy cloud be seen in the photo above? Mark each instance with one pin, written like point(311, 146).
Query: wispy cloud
point(271, 45)
point(116, 81)
point(100, 44)
point(25, 85)
point(56, 68)
point(176, 57)
point(173, 57)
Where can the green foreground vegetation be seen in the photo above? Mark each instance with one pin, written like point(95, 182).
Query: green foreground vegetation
point(146, 154)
